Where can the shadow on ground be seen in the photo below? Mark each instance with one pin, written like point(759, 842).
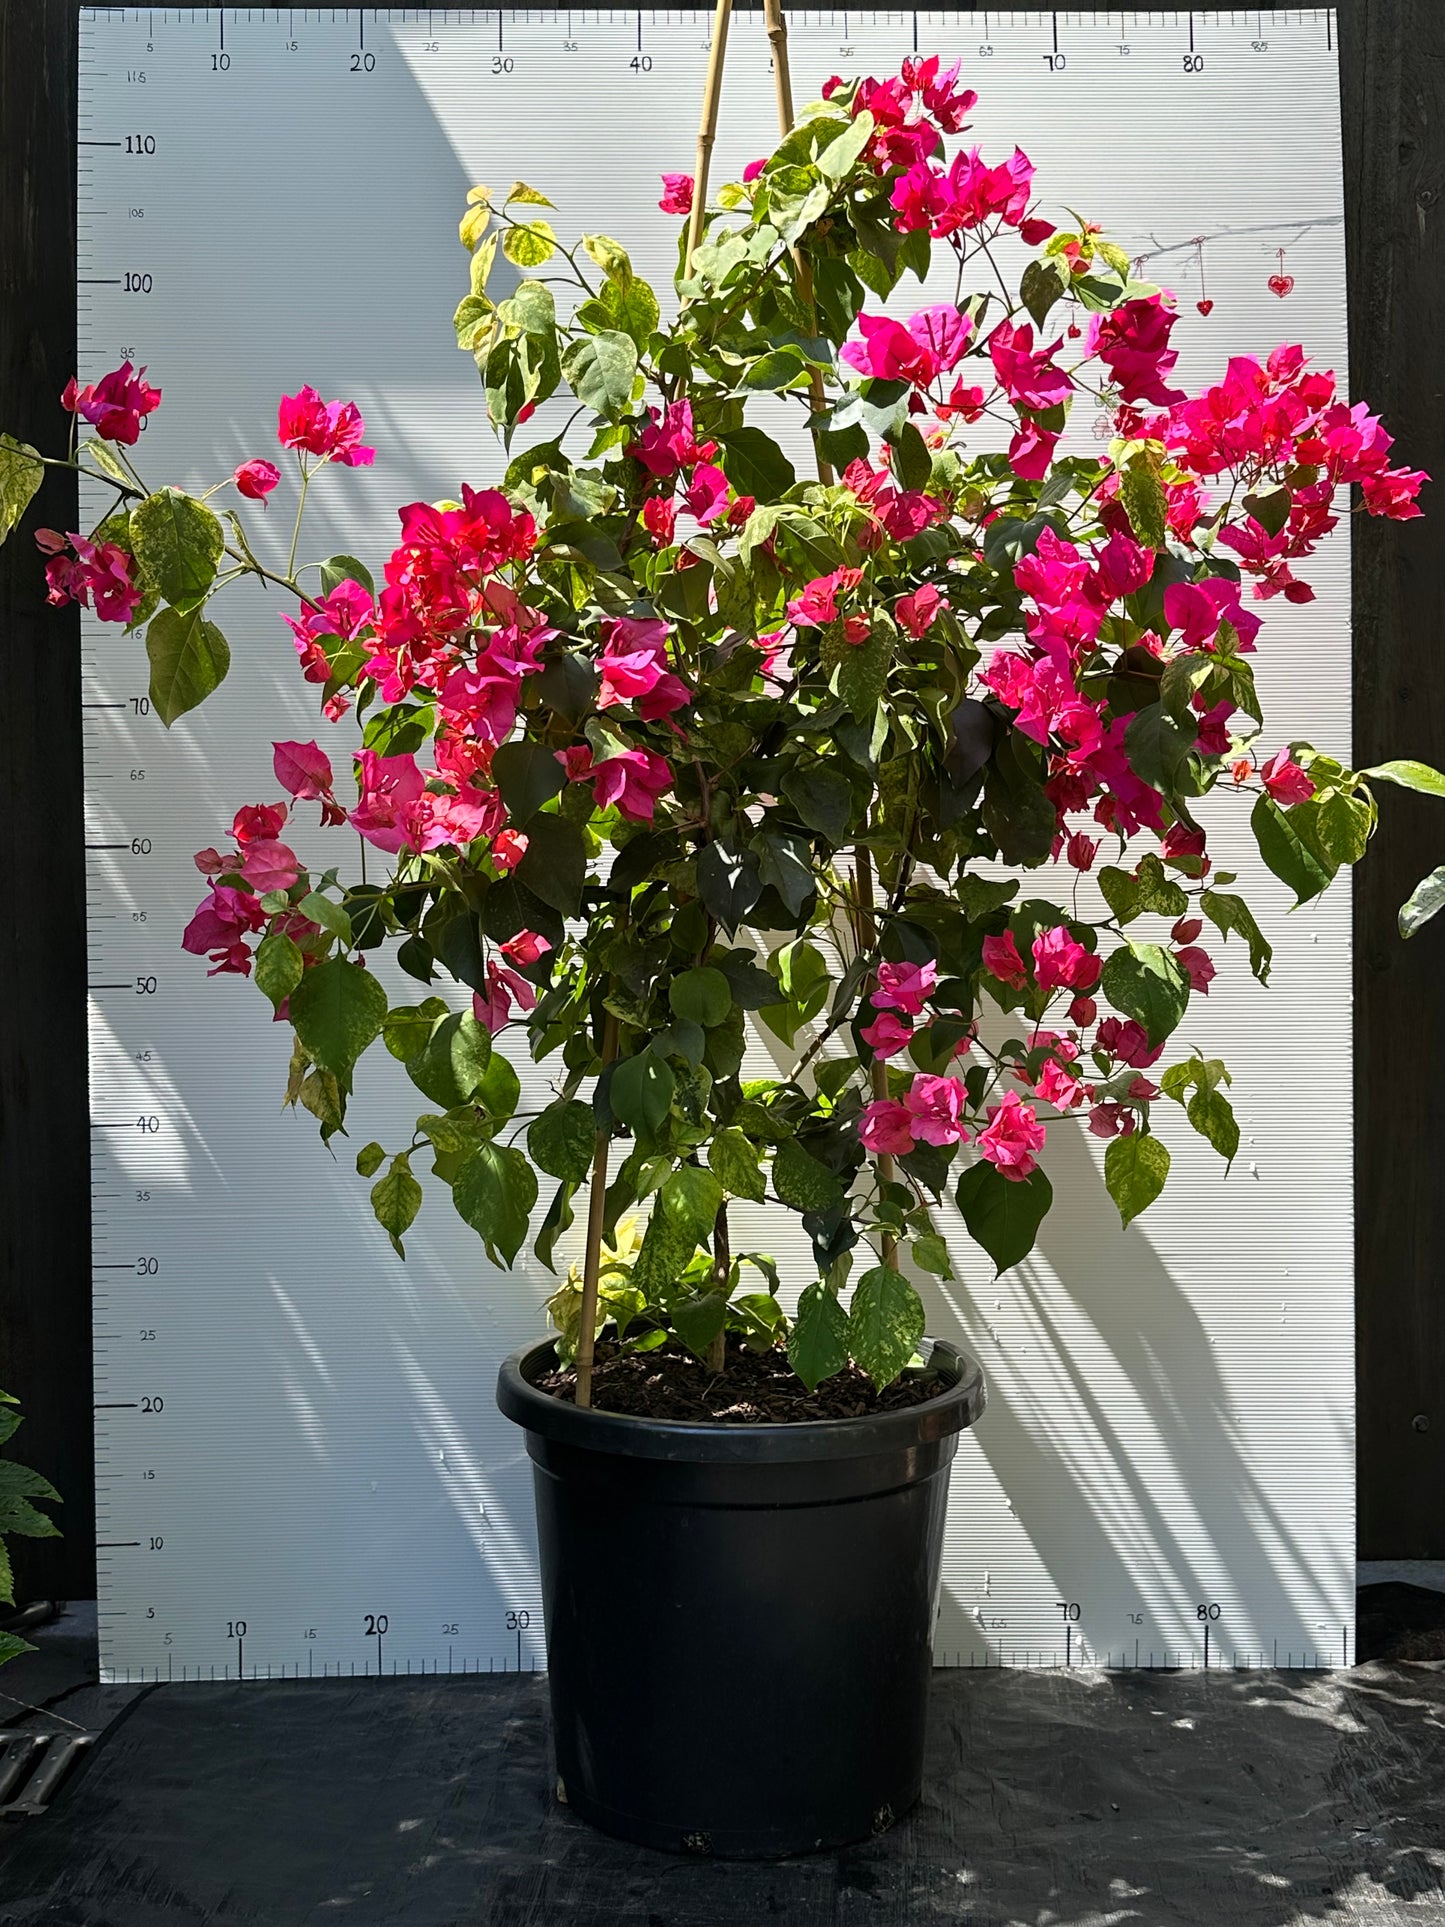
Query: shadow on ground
point(1052, 1800)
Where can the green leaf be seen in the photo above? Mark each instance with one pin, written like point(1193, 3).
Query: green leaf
point(396, 1199)
point(1135, 1168)
point(641, 1091)
point(554, 866)
point(863, 675)
point(479, 272)
point(1158, 750)
point(837, 159)
point(21, 473)
point(337, 569)
point(459, 945)
point(278, 966)
point(805, 980)
point(1043, 283)
point(818, 1342)
point(1409, 775)
point(189, 658)
point(337, 1010)
point(452, 1063)
point(109, 463)
point(408, 1027)
point(530, 244)
point(689, 1202)
point(494, 1191)
point(1120, 891)
point(370, 1158)
point(701, 995)
point(773, 371)
point(801, 1182)
point(912, 462)
point(981, 896)
point(823, 798)
point(500, 1090)
point(320, 909)
point(632, 309)
point(610, 256)
point(455, 1134)
point(1270, 510)
point(666, 1252)
point(520, 195)
point(178, 543)
point(20, 1482)
point(698, 1318)
point(1145, 504)
point(1001, 1214)
point(528, 775)
point(600, 370)
point(1144, 981)
point(1292, 860)
point(734, 1162)
point(1231, 913)
point(729, 882)
point(563, 1141)
point(1341, 824)
point(1212, 1115)
point(1424, 902)
point(885, 1323)
point(1016, 812)
point(930, 1253)
point(786, 866)
point(1148, 889)
point(558, 1220)
point(755, 465)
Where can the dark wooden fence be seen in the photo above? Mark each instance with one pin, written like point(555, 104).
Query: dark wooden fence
point(1392, 55)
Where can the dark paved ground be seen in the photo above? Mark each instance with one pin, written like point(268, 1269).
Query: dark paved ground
point(1052, 1800)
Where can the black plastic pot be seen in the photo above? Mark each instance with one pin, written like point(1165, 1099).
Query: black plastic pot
point(739, 1617)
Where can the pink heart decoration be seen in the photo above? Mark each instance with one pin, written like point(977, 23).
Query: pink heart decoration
point(1205, 307)
point(1281, 284)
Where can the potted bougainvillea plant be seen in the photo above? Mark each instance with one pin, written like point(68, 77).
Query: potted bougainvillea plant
point(900, 761)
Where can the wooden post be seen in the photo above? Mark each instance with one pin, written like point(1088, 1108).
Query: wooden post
point(707, 129)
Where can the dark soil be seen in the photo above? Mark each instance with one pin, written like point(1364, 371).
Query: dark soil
point(755, 1388)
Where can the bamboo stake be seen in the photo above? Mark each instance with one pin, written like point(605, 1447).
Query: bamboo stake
point(596, 1217)
point(777, 30)
point(868, 933)
point(707, 130)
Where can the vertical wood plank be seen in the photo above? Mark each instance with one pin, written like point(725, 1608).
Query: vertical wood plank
point(1393, 75)
point(45, 1339)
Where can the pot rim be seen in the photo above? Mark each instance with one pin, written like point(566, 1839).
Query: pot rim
point(956, 1406)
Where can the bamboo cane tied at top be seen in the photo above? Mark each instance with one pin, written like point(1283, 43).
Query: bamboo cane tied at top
point(707, 127)
point(777, 31)
point(866, 931)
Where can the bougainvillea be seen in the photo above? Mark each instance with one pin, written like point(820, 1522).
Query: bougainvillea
point(900, 759)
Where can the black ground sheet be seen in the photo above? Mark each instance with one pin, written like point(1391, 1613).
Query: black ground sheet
point(1061, 1799)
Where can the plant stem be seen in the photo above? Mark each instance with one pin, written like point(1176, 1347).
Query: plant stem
point(777, 32)
point(300, 511)
point(596, 1216)
point(868, 935)
point(707, 130)
point(722, 1265)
